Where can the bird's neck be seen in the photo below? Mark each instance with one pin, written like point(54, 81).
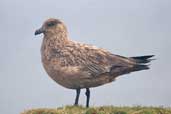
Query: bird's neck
point(57, 40)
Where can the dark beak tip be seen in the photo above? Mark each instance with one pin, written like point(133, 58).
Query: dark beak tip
point(37, 32)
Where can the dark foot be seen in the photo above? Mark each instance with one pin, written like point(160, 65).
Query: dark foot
point(77, 97)
point(88, 97)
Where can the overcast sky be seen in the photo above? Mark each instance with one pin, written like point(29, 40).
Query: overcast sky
point(125, 27)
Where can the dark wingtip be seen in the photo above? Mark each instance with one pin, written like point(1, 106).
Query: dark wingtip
point(149, 56)
point(143, 59)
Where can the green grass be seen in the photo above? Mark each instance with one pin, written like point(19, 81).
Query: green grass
point(101, 110)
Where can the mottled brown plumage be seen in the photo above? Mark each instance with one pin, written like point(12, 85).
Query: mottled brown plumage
point(75, 65)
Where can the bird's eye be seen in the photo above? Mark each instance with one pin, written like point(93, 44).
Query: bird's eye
point(51, 24)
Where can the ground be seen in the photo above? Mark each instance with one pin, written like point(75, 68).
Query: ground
point(101, 110)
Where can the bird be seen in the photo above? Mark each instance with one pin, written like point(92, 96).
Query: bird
point(77, 66)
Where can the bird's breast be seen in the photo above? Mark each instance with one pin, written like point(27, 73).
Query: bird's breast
point(63, 70)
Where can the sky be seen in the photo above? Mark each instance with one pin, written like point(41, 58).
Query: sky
point(127, 28)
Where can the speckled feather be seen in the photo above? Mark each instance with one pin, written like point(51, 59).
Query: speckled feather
point(76, 65)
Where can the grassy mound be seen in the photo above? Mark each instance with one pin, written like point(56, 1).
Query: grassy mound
point(101, 110)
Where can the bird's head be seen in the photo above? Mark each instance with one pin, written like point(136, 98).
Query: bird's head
point(52, 27)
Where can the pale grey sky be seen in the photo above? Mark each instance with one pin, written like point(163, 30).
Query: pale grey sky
point(125, 27)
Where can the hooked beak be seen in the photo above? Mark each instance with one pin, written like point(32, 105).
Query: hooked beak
point(39, 31)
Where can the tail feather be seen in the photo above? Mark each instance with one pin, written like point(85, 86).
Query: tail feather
point(139, 64)
point(140, 67)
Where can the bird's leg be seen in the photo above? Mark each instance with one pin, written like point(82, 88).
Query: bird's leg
point(77, 97)
point(88, 97)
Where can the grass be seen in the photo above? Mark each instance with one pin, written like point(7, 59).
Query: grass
point(101, 110)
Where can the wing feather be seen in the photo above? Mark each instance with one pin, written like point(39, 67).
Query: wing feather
point(94, 60)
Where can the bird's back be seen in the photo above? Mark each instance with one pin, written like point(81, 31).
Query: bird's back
point(83, 65)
